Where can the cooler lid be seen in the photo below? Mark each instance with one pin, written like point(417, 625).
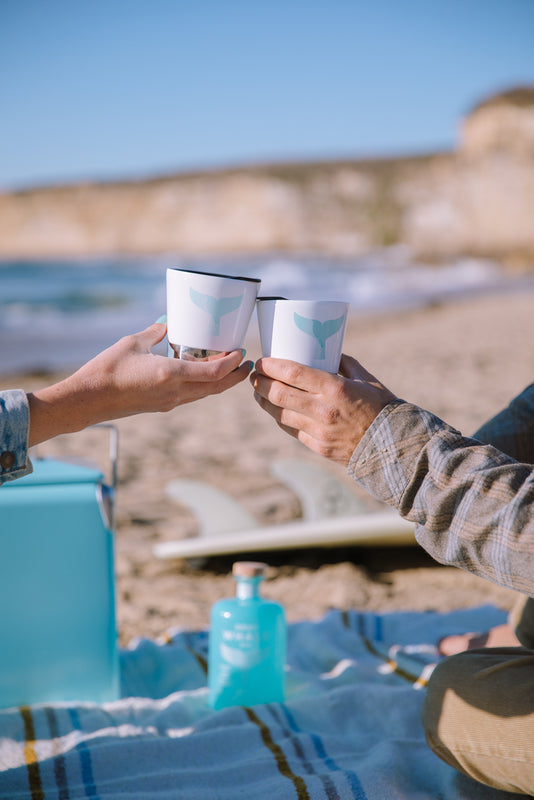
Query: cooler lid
point(49, 471)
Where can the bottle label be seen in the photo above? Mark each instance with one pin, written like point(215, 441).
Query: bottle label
point(243, 647)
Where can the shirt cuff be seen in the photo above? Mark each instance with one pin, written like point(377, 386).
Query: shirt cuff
point(14, 432)
point(388, 454)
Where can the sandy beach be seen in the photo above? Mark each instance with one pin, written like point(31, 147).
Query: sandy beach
point(462, 360)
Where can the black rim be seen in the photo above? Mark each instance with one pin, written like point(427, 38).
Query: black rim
point(216, 275)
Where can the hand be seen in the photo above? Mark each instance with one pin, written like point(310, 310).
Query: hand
point(327, 413)
point(128, 379)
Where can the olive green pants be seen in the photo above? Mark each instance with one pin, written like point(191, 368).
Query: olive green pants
point(479, 710)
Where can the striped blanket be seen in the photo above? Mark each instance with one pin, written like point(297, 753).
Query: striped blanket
point(350, 726)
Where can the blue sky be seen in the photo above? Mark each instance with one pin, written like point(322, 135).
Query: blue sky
point(111, 89)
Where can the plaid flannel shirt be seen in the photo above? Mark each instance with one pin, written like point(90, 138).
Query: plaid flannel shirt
point(14, 429)
point(471, 501)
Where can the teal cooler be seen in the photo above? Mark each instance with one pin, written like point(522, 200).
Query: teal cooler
point(57, 622)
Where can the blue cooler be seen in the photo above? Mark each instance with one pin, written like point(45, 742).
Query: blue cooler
point(58, 637)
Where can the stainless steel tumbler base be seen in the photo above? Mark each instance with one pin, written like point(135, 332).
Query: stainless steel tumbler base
point(191, 353)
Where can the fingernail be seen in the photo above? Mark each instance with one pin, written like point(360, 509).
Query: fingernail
point(250, 366)
point(244, 352)
point(163, 318)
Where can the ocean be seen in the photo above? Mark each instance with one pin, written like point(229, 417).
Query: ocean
point(56, 314)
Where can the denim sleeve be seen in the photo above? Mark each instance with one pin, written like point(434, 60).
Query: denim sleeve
point(14, 429)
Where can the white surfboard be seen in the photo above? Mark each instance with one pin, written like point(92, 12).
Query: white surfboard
point(333, 515)
point(383, 528)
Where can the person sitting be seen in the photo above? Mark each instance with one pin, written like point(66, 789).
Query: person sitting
point(472, 505)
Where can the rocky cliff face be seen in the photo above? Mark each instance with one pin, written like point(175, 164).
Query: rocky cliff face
point(478, 200)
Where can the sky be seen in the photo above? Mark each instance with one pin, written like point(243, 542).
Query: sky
point(127, 89)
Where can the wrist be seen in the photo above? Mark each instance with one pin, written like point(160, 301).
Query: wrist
point(64, 407)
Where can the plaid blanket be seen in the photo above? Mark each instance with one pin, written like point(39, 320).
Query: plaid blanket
point(350, 726)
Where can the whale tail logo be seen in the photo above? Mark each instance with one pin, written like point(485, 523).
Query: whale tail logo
point(216, 308)
point(321, 331)
point(243, 659)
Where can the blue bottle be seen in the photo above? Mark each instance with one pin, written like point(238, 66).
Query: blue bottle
point(247, 647)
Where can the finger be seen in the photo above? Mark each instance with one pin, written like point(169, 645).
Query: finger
point(216, 356)
point(284, 396)
point(201, 389)
point(294, 374)
point(286, 417)
point(208, 371)
point(291, 431)
point(237, 375)
point(312, 443)
point(309, 440)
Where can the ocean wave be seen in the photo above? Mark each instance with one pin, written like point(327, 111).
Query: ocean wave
point(55, 315)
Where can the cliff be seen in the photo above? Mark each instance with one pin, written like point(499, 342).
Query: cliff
point(476, 200)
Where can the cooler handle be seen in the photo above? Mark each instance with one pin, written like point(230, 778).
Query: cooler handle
point(107, 493)
point(113, 449)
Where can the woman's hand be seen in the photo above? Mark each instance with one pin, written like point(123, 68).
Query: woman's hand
point(327, 413)
point(128, 379)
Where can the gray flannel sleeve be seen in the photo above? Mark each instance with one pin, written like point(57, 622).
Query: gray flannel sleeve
point(472, 505)
point(14, 429)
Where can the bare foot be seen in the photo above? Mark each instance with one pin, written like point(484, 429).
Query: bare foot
point(500, 636)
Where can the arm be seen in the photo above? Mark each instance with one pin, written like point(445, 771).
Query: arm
point(123, 380)
point(128, 379)
point(472, 505)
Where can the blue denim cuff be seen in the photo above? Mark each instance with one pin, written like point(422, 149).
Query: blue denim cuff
point(14, 430)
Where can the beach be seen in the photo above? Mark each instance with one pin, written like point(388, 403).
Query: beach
point(463, 359)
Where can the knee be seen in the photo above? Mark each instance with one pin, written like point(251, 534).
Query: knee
point(442, 707)
point(433, 707)
point(478, 716)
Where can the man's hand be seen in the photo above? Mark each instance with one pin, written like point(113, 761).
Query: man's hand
point(327, 413)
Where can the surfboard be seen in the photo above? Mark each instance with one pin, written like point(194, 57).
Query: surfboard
point(333, 515)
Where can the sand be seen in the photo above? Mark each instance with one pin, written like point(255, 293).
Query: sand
point(462, 360)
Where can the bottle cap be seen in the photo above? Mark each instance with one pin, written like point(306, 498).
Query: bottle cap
point(249, 569)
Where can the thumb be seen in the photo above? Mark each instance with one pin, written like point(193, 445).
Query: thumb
point(151, 336)
point(350, 368)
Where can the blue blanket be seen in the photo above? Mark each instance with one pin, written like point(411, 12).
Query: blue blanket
point(350, 726)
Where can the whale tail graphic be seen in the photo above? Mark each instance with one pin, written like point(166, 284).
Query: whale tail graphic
point(321, 331)
point(243, 659)
point(216, 308)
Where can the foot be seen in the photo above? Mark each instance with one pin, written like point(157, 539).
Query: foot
point(500, 636)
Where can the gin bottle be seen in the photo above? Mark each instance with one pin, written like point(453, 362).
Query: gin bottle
point(247, 644)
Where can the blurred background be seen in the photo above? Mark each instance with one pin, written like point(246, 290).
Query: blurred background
point(371, 150)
